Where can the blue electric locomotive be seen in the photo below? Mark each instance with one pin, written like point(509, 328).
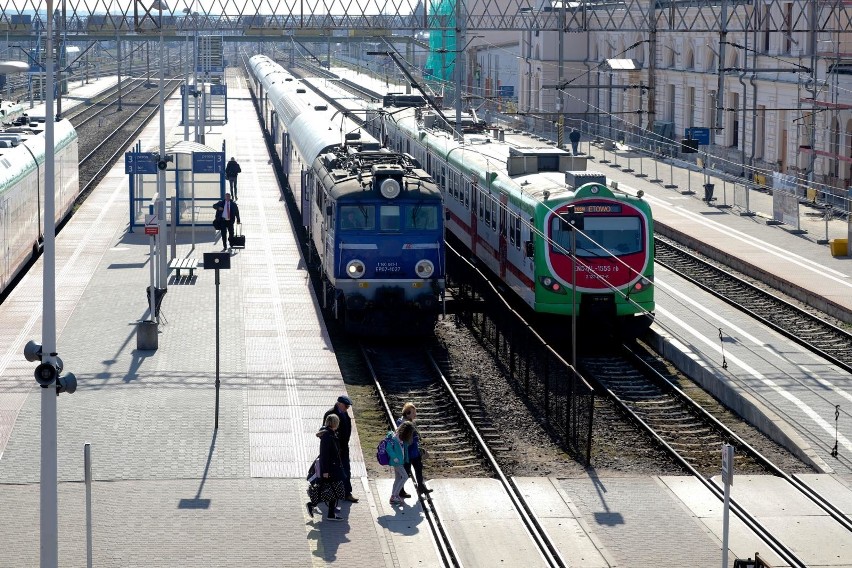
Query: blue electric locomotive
point(374, 217)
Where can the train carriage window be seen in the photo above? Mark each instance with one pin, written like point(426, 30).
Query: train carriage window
point(516, 231)
point(357, 218)
point(601, 236)
point(421, 217)
point(482, 207)
point(389, 218)
point(495, 207)
point(502, 220)
point(467, 196)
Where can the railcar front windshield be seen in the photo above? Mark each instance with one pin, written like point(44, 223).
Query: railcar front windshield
point(601, 236)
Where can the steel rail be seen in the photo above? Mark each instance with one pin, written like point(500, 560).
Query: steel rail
point(784, 552)
point(442, 540)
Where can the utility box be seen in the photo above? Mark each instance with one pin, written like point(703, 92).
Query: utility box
point(575, 179)
point(839, 247)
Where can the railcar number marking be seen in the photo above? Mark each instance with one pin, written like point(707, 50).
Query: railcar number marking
point(388, 267)
point(599, 268)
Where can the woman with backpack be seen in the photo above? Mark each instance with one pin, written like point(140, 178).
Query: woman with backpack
point(329, 486)
point(397, 449)
point(415, 452)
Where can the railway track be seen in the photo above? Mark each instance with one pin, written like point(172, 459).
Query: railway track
point(102, 145)
point(443, 413)
point(811, 331)
point(690, 435)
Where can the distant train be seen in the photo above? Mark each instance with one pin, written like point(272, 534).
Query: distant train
point(374, 217)
point(510, 203)
point(22, 183)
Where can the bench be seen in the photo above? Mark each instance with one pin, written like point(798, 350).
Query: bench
point(178, 264)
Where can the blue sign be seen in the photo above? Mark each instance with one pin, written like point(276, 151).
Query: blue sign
point(507, 91)
point(208, 162)
point(700, 134)
point(140, 163)
point(218, 89)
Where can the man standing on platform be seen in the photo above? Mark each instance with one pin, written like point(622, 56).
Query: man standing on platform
point(574, 137)
point(344, 431)
point(232, 170)
point(226, 213)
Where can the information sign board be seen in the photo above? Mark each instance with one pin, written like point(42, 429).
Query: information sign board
point(151, 226)
point(218, 89)
point(507, 91)
point(208, 162)
point(700, 134)
point(140, 163)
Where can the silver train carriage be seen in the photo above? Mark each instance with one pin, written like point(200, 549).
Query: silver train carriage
point(22, 183)
point(374, 218)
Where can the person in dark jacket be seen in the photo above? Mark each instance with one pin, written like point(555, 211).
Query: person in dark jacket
point(226, 213)
point(232, 170)
point(574, 137)
point(341, 410)
point(329, 486)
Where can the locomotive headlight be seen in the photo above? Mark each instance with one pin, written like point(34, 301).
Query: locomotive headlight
point(389, 188)
point(424, 268)
point(355, 269)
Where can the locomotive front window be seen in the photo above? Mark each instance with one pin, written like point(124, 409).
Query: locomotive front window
point(601, 236)
point(389, 218)
point(357, 218)
point(421, 217)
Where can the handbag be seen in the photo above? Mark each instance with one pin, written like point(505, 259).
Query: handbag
point(314, 472)
point(218, 223)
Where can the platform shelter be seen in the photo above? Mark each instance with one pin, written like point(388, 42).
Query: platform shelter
point(195, 180)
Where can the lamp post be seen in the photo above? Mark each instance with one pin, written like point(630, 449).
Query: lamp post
point(161, 165)
point(48, 492)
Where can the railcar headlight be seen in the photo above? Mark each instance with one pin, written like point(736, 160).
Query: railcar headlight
point(551, 284)
point(389, 188)
point(355, 269)
point(641, 285)
point(424, 268)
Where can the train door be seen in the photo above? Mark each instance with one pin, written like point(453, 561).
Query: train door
point(502, 230)
point(5, 235)
point(328, 232)
point(306, 192)
point(474, 207)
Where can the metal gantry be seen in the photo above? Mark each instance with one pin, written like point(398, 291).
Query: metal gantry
point(746, 46)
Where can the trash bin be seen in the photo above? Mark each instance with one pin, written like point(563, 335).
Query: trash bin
point(708, 192)
point(146, 335)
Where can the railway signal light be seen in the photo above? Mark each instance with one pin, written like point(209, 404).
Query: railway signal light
point(50, 372)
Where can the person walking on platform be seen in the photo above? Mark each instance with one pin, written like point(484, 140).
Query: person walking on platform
point(574, 137)
point(398, 448)
point(341, 410)
point(328, 487)
point(415, 452)
point(232, 170)
point(226, 213)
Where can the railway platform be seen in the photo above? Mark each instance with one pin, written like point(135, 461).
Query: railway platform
point(170, 490)
point(76, 95)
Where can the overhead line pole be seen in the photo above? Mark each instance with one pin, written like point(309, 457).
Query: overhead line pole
point(48, 492)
